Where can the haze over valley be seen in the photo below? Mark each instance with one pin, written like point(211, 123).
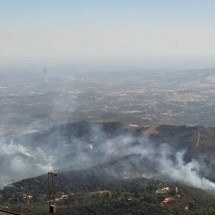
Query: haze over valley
point(107, 107)
point(145, 98)
point(145, 125)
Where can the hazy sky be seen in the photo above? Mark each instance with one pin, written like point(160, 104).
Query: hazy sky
point(127, 31)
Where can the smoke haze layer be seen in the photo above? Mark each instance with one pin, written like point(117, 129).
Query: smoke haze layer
point(68, 149)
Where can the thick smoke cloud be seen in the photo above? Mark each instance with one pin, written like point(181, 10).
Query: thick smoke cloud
point(167, 161)
point(188, 173)
point(20, 160)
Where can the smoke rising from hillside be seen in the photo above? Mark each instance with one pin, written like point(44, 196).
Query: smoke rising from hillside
point(25, 159)
point(168, 162)
point(18, 162)
point(188, 173)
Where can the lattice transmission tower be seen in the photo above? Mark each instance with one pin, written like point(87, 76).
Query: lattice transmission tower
point(52, 191)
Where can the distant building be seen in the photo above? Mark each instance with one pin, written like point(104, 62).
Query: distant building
point(163, 190)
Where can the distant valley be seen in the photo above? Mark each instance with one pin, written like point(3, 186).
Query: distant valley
point(119, 140)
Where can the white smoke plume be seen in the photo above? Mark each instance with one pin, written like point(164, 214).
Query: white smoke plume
point(174, 168)
point(24, 160)
point(18, 162)
point(188, 173)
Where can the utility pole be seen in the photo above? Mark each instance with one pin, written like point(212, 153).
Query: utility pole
point(52, 191)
